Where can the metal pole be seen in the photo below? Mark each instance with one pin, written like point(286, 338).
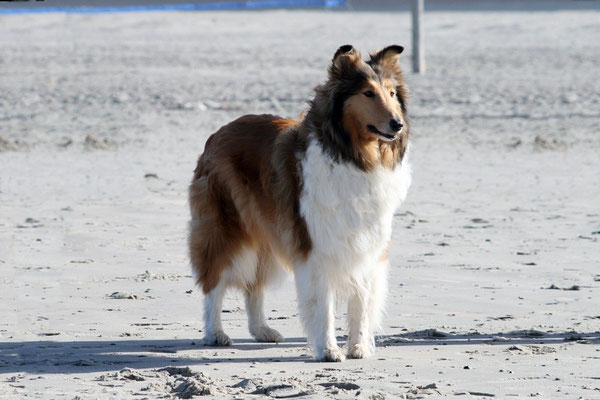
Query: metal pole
point(418, 52)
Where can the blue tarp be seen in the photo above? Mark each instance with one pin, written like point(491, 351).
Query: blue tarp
point(241, 5)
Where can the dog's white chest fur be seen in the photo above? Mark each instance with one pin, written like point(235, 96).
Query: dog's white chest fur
point(349, 212)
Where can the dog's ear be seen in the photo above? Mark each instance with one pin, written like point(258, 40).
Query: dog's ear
point(344, 60)
point(388, 61)
point(388, 57)
point(345, 56)
point(346, 50)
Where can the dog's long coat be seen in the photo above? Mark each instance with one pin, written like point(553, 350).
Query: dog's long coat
point(315, 196)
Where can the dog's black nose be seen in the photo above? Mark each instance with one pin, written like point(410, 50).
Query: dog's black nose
point(396, 124)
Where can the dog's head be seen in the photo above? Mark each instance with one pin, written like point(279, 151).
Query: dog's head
point(366, 104)
point(370, 94)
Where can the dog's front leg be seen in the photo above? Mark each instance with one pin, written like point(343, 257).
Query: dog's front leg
point(360, 339)
point(316, 301)
point(365, 307)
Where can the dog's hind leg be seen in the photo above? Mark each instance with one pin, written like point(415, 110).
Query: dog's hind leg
point(213, 329)
point(257, 325)
point(268, 270)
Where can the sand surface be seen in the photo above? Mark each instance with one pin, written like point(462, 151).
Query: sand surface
point(495, 279)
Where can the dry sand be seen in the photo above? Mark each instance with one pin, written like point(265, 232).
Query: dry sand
point(495, 279)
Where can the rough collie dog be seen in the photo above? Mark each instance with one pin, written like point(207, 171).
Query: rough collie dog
point(314, 196)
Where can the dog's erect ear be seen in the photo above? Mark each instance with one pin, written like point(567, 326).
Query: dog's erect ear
point(346, 49)
point(388, 55)
point(345, 56)
point(344, 60)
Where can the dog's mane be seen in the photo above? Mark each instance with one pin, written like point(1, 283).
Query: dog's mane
point(345, 78)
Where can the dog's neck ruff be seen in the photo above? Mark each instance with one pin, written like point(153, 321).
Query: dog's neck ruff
point(349, 211)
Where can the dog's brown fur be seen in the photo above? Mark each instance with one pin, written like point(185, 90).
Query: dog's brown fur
point(247, 184)
point(245, 194)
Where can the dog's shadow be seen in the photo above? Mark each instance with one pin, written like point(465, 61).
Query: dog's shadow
point(48, 356)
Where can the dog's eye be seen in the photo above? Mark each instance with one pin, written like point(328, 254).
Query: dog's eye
point(369, 93)
point(392, 94)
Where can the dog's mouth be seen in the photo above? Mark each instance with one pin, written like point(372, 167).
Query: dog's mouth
point(385, 136)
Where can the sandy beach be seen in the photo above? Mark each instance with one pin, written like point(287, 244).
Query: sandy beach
point(495, 278)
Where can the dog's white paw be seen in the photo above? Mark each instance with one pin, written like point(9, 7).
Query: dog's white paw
point(334, 354)
point(359, 351)
point(217, 339)
point(266, 334)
